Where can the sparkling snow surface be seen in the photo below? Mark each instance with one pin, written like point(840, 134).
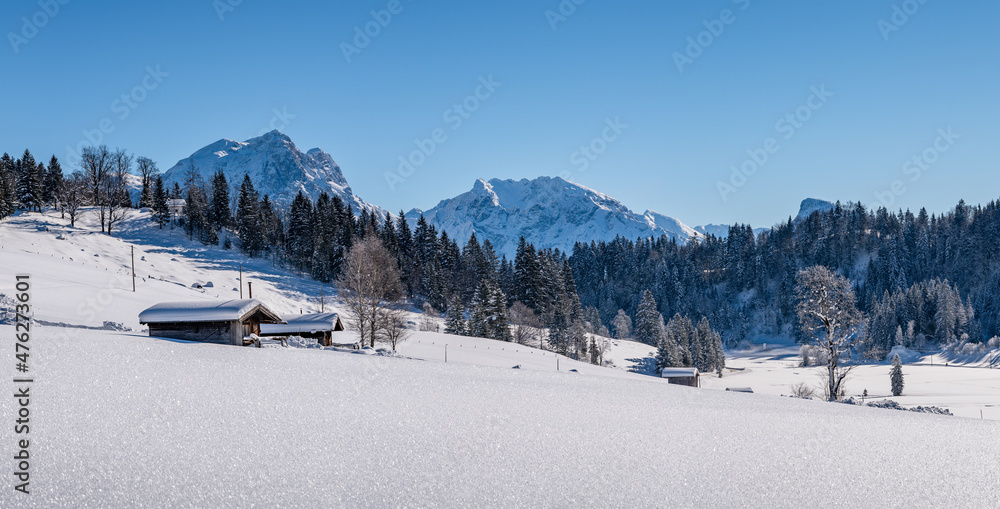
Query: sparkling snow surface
point(122, 419)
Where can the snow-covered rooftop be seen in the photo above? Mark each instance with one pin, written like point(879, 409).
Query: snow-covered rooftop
point(679, 372)
point(313, 322)
point(201, 311)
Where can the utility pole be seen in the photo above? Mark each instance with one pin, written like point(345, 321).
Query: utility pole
point(250, 288)
point(446, 353)
point(322, 302)
point(133, 269)
point(241, 281)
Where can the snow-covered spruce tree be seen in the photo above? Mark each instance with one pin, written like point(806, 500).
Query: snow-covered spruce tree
point(161, 213)
point(455, 324)
point(489, 316)
point(219, 215)
point(300, 232)
point(896, 376)
point(648, 321)
point(826, 310)
point(29, 182)
point(667, 352)
point(477, 325)
point(8, 185)
point(710, 356)
point(682, 332)
point(52, 182)
point(249, 224)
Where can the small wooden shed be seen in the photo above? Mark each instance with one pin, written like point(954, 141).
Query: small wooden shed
point(323, 327)
point(682, 376)
point(222, 322)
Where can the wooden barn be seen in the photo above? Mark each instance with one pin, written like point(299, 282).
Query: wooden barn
point(222, 322)
point(323, 327)
point(682, 376)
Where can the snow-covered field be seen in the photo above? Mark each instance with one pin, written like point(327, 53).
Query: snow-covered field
point(969, 390)
point(122, 419)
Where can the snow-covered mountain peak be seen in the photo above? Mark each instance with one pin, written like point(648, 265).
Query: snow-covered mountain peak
point(811, 205)
point(275, 166)
point(548, 211)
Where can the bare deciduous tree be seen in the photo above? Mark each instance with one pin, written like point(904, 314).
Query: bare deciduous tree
point(527, 326)
point(117, 197)
point(826, 308)
point(392, 326)
point(370, 285)
point(97, 163)
point(73, 194)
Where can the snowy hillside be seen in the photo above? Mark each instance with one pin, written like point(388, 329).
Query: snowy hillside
point(276, 167)
point(548, 212)
point(173, 423)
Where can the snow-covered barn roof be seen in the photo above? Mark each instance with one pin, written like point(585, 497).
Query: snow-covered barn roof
point(679, 372)
point(314, 322)
point(204, 311)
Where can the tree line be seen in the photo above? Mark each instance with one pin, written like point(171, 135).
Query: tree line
point(932, 278)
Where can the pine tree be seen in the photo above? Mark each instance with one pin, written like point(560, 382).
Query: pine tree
point(8, 185)
point(896, 376)
point(300, 232)
point(648, 320)
point(527, 277)
point(53, 181)
point(477, 325)
point(681, 332)
point(29, 182)
point(219, 214)
point(667, 351)
point(249, 221)
point(455, 324)
point(161, 213)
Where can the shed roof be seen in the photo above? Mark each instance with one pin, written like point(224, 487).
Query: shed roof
point(314, 322)
point(204, 311)
point(679, 372)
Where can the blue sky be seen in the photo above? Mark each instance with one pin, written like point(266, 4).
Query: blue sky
point(232, 71)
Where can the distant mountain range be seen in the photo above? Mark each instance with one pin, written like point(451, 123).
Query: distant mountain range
point(548, 211)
